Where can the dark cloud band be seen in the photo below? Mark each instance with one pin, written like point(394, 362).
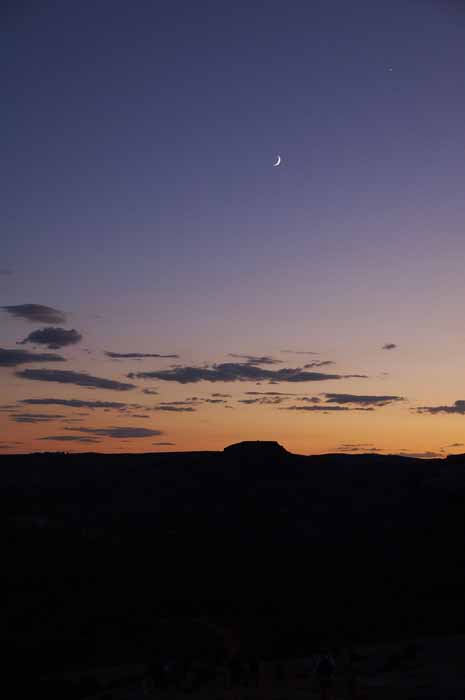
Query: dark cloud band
point(77, 378)
point(136, 355)
point(238, 372)
point(69, 438)
point(458, 407)
point(13, 358)
point(35, 417)
point(326, 409)
point(53, 337)
point(78, 403)
point(36, 313)
point(366, 400)
point(256, 359)
point(119, 432)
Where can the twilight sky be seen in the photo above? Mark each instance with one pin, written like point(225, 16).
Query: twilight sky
point(142, 215)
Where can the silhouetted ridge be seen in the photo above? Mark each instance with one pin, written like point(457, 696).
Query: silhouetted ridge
point(256, 448)
point(459, 458)
point(297, 549)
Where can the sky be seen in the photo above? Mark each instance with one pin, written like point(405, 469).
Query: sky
point(142, 214)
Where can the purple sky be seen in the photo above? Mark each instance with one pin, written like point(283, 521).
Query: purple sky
point(139, 195)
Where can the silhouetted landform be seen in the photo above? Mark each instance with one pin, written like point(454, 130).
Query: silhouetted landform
point(108, 558)
point(261, 449)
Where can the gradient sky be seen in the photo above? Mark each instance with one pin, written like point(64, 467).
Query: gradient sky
point(139, 198)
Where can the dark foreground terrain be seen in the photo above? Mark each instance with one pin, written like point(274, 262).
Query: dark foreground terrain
point(121, 558)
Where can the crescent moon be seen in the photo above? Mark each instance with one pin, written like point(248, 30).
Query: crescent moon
point(275, 165)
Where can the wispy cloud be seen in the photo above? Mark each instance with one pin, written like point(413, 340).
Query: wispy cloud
point(420, 455)
point(300, 352)
point(36, 313)
point(53, 337)
point(173, 408)
point(357, 447)
point(136, 355)
point(69, 438)
point(264, 400)
point(269, 393)
point(79, 403)
point(457, 407)
point(322, 363)
point(365, 400)
point(238, 372)
point(70, 377)
point(13, 358)
point(326, 409)
point(389, 346)
point(256, 359)
point(196, 400)
point(120, 432)
point(34, 417)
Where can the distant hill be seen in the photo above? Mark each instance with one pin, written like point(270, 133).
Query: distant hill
point(250, 449)
point(97, 548)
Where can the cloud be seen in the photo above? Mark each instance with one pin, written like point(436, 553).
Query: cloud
point(325, 408)
point(256, 360)
point(5, 271)
point(419, 455)
point(53, 337)
point(164, 443)
point(120, 432)
point(150, 392)
point(357, 447)
point(70, 377)
point(300, 352)
point(237, 372)
point(36, 313)
point(310, 399)
point(221, 396)
point(389, 346)
point(267, 397)
point(174, 409)
point(34, 417)
point(364, 400)
point(69, 438)
point(458, 407)
point(135, 355)
point(323, 363)
point(196, 400)
point(13, 358)
point(269, 393)
point(456, 444)
point(78, 403)
point(264, 400)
